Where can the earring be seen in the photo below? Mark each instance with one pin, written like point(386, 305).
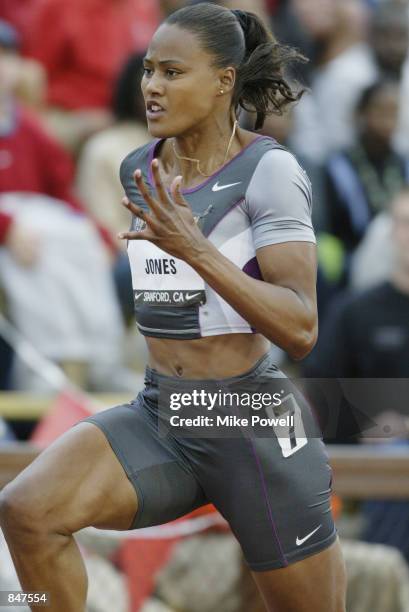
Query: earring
point(222, 91)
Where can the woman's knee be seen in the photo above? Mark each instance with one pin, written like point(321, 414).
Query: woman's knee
point(35, 501)
point(19, 512)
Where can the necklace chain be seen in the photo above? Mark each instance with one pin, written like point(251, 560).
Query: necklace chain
point(197, 161)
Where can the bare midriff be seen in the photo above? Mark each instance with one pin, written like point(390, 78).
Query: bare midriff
point(206, 358)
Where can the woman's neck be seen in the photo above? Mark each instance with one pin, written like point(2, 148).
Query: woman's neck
point(212, 146)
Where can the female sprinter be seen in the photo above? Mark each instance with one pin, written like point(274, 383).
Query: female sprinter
point(230, 253)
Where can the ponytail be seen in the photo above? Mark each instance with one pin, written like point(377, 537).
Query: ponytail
point(261, 86)
point(240, 39)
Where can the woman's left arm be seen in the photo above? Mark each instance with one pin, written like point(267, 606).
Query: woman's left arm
point(283, 306)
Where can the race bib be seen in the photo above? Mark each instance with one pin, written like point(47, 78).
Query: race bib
point(159, 278)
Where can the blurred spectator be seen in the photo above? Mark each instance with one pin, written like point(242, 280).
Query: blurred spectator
point(30, 160)
point(348, 57)
point(366, 335)
point(98, 170)
point(386, 522)
point(33, 163)
point(86, 43)
point(61, 296)
point(31, 84)
point(378, 577)
point(377, 246)
point(389, 39)
point(362, 180)
point(98, 181)
point(343, 67)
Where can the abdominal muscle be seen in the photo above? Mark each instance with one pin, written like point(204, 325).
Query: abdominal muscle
point(211, 357)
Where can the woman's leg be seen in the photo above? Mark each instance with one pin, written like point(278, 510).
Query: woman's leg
point(315, 584)
point(76, 482)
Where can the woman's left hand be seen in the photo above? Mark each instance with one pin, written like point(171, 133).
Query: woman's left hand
point(170, 224)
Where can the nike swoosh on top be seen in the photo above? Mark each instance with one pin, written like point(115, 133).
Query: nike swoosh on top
point(217, 187)
point(299, 542)
point(138, 295)
point(190, 297)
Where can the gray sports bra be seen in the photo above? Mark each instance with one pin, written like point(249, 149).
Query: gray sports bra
point(260, 197)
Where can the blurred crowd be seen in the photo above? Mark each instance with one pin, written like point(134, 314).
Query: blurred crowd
point(71, 109)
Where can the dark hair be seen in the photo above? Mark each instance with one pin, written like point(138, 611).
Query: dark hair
point(369, 93)
point(128, 102)
point(239, 39)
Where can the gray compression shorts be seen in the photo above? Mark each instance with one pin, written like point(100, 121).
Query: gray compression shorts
point(274, 490)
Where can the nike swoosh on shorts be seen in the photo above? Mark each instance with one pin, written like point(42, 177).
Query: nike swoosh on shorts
point(307, 537)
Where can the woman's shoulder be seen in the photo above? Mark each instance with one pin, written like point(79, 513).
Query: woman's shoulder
point(280, 181)
point(278, 165)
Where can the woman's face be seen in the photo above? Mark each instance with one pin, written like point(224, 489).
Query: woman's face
point(180, 79)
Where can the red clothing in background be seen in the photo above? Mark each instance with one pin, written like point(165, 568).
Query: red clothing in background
point(31, 160)
point(19, 14)
point(83, 44)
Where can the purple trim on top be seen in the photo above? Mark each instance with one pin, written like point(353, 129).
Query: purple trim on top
point(211, 177)
point(252, 268)
point(270, 513)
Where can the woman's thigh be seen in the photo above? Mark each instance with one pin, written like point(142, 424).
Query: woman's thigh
point(315, 584)
point(76, 482)
point(113, 470)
